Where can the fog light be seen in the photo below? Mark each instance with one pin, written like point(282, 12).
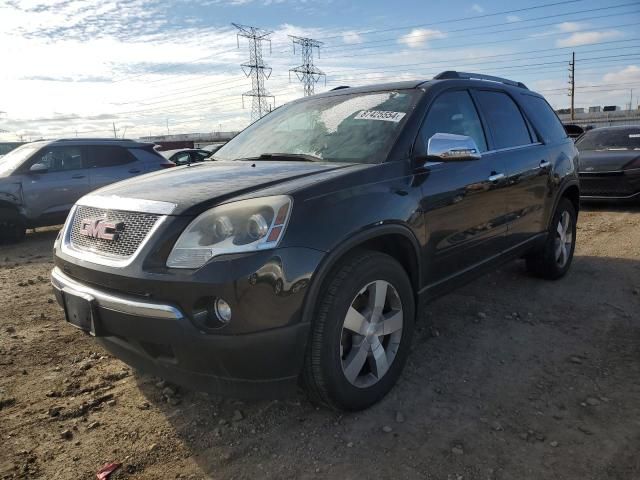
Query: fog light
point(223, 311)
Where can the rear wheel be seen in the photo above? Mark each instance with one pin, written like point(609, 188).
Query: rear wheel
point(362, 332)
point(554, 260)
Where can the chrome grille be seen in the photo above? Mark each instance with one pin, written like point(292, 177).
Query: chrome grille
point(137, 226)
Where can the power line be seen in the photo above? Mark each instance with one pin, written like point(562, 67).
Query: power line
point(484, 27)
point(307, 73)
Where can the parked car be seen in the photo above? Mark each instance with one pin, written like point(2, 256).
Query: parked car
point(185, 156)
point(214, 147)
point(305, 251)
point(40, 181)
point(610, 163)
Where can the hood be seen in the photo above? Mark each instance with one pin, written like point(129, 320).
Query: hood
point(214, 182)
point(592, 161)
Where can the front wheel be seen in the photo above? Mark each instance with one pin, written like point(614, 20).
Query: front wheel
point(362, 332)
point(554, 260)
point(12, 231)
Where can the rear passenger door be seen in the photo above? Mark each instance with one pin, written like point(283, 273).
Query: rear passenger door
point(111, 163)
point(514, 144)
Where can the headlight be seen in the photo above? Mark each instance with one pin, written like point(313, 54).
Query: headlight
point(236, 227)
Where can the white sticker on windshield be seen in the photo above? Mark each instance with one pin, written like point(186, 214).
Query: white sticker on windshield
point(634, 135)
point(380, 115)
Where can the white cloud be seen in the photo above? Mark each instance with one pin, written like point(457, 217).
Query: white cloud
point(586, 38)
point(477, 8)
point(569, 26)
point(513, 18)
point(628, 74)
point(418, 37)
point(351, 37)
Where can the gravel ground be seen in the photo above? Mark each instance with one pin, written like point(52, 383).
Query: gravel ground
point(510, 378)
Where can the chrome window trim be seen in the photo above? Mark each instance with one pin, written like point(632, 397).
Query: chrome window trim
point(126, 204)
point(119, 303)
point(507, 149)
point(96, 258)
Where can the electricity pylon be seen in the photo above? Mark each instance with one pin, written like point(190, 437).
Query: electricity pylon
point(307, 73)
point(256, 69)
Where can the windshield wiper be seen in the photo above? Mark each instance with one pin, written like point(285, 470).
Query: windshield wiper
point(292, 157)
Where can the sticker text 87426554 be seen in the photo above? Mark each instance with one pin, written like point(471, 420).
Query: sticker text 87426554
point(383, 115)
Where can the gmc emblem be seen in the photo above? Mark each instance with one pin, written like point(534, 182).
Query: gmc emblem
point(101, 228)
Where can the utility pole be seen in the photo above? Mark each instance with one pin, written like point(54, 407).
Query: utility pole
point(631, 101)
point(307, 73)
point(572, 83)
point(256, 69)
point(115, 134)
point(167, 126)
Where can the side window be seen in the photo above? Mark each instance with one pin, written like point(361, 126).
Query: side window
point(544, 118)
point(108, 156)
point(59, 159)
point(181, 158)
point(507, 126)
point(454, 112)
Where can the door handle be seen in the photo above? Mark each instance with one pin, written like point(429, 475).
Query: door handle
point(545, 163)
point(494, 177)
point(78, 176)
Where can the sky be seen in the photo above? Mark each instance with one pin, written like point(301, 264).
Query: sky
point(149, 67)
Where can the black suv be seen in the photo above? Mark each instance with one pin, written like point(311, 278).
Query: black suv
point(303, 252)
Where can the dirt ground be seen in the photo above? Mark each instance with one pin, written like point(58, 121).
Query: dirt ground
point(510, 377)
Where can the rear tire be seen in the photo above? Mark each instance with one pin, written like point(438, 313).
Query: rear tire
point(361, 334)
point(554, 260)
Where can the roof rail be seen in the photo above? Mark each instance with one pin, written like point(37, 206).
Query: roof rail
point(340, 87)
point(477, 76)
point(93, 139)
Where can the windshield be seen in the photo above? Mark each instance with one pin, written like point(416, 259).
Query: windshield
point(359, 128)
point(14, 158)
point(623, 138)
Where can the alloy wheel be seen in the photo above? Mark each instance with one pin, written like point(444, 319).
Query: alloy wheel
point(371, 334)
point(564, 239)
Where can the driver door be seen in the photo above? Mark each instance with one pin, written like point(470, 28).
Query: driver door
point(49, 194)
point(463, 202)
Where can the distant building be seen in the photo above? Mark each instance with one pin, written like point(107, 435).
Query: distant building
point(610, 108)
point(595, 109)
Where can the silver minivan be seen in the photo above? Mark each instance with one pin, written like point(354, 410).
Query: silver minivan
point(40, 181)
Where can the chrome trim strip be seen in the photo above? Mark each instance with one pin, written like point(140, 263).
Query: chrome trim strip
point(123, 304)
point(506, 149)
point(600, 197)
point(96, 258)
point(115, 202)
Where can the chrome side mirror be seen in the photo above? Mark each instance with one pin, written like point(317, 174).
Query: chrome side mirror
point(38, 168)
point(449, 147)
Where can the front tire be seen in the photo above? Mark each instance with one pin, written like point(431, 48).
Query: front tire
point(12, 231)
point(554, 260)
point(362, 332)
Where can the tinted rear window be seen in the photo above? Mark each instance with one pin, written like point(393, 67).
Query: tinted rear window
point(506, 123)
point(544, 118)
point(627, 138)
point(108, 156)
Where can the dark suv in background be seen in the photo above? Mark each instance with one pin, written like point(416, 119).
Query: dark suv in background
point(303, 252)
point(40, 181)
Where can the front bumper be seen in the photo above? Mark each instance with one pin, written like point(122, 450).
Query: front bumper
point(614, 185)
point(262, 355)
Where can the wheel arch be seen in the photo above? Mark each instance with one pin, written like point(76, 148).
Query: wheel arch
point(570, 190)
point(395, 240)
